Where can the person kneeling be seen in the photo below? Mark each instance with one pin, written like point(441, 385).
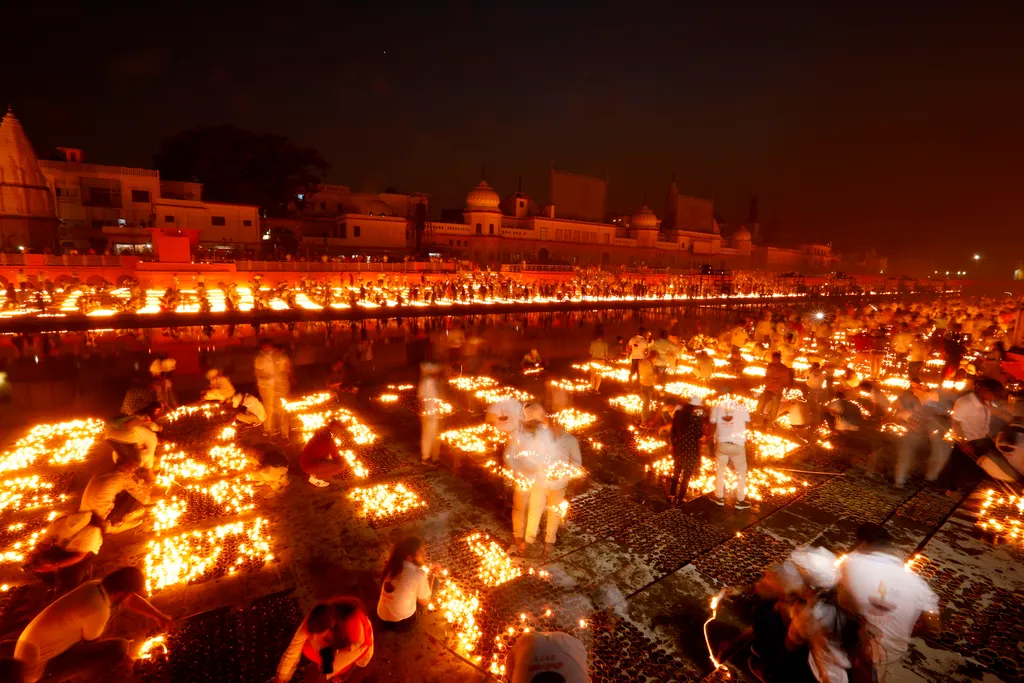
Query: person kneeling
point(65, 556)
point(335, 636)
point(63, 641)
point(407, 583)
point(321, 458)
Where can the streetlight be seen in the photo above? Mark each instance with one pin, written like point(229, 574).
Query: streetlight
point(977, 257)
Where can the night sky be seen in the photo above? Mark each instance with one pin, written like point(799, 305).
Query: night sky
point(899, 129)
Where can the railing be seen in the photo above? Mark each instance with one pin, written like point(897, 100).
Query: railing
point(80, 260)
point(335, 267)
point(536, 268)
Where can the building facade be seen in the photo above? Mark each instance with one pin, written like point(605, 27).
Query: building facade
point(517, 229)
point(71, 204)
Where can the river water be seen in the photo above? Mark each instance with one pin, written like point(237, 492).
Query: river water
point(55, 376)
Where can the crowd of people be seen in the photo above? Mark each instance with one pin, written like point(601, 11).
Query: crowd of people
point(821, 617)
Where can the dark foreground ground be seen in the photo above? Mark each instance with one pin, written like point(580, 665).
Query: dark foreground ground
point(639, 574)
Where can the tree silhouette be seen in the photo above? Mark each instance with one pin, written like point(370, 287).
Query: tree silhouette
point(242, 167)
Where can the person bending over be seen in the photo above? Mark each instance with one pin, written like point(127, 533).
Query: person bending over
point(63, 641)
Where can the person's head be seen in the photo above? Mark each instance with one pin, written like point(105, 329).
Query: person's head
point(776, 357)
point(548, 677)
point(11, 669)
point(320, 619)
point(410, 549)
point(534, 413)
point(127, 464)
point(643, 331)
point(345, 611)
point(664, 334)
point(151, 410)
point(988, 389)
point(211, 373)
point(534, 352)
point(122, 582)
point(815, 365)
point(873, 537)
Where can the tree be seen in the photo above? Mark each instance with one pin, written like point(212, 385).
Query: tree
point(241, 167)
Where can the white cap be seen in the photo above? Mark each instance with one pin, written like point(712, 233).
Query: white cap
point(695, 400)
point(817, 566)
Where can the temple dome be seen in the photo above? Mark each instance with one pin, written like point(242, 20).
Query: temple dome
point(377, 207)
point(644, 219)
point(482, 198)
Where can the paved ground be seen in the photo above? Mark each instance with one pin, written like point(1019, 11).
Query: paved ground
point(638, 573)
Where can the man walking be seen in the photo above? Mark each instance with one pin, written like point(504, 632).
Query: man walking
point(730, 420)
point(637, 352)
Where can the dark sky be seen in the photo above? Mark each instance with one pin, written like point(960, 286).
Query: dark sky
point(868, 126)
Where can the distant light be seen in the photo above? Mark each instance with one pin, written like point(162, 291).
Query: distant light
point(819, 315)
point(266, 236)
point(21, 248)
point(977, 257)
point(301, 196)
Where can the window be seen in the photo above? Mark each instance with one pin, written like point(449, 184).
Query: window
point(247, 224)
point(521, 203)
point(607, 238)
point(558, 233)
point(140, 196)
point(491, 226)
point(355, 231)
point(58, 191)
point(218, 220)
point(480, 229)
point(343, 231)
point(575, 235)
point(451, 243)
point(168, 219)
point(543, 233)
point(340, 206)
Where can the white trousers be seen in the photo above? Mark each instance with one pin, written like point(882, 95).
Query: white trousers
point(430, 446)
point(726, 453)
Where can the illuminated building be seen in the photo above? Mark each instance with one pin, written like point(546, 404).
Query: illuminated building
point(28, 213)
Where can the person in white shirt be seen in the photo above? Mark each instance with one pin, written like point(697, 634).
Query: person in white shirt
point(103, 492)
point(66, 553)
point(637, 352)
point(972, 428)
point(430, 413)
point(554, 657)
point(730, 420)
point(598, 356)
point(874, 584)
point(220, 389)
point(250, 411)
point(972, 417)
point(63, 641)
point(666, 353)
point(407, 583)
point(528, 454)
point(549, 493)
point(818, 621)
